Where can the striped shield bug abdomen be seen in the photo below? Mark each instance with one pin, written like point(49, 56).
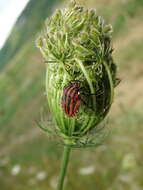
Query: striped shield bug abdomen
point(71, 98)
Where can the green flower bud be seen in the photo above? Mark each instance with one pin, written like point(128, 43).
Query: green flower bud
point(76, 46)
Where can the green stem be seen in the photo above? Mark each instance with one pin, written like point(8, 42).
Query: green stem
point(110, 82)
point(89, 81)
point(64, 165)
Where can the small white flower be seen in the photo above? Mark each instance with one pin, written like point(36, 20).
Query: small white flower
point(87, 170)
point(16, 169)
point(41, 175)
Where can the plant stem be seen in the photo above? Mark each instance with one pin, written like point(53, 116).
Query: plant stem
point(64, 164)
point(88, 80)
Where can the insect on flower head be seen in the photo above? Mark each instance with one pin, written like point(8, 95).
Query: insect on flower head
point(71, 98)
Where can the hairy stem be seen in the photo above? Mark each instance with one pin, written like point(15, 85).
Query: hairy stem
point(64, 165)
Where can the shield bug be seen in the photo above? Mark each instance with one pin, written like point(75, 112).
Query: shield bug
point(71, 99)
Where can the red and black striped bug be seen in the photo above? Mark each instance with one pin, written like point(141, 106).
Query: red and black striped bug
point(71, 99)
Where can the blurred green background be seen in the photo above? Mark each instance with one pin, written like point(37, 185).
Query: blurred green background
point(29, 159)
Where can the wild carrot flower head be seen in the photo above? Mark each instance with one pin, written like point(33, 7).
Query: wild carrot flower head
point(81, 73)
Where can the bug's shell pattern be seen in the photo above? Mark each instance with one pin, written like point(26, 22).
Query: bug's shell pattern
point(71, 99)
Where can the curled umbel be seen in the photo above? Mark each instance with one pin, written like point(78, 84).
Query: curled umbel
point(81, 73)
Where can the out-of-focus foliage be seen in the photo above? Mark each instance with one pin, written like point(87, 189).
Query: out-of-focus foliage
point(26, 153)
point(26, 27)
